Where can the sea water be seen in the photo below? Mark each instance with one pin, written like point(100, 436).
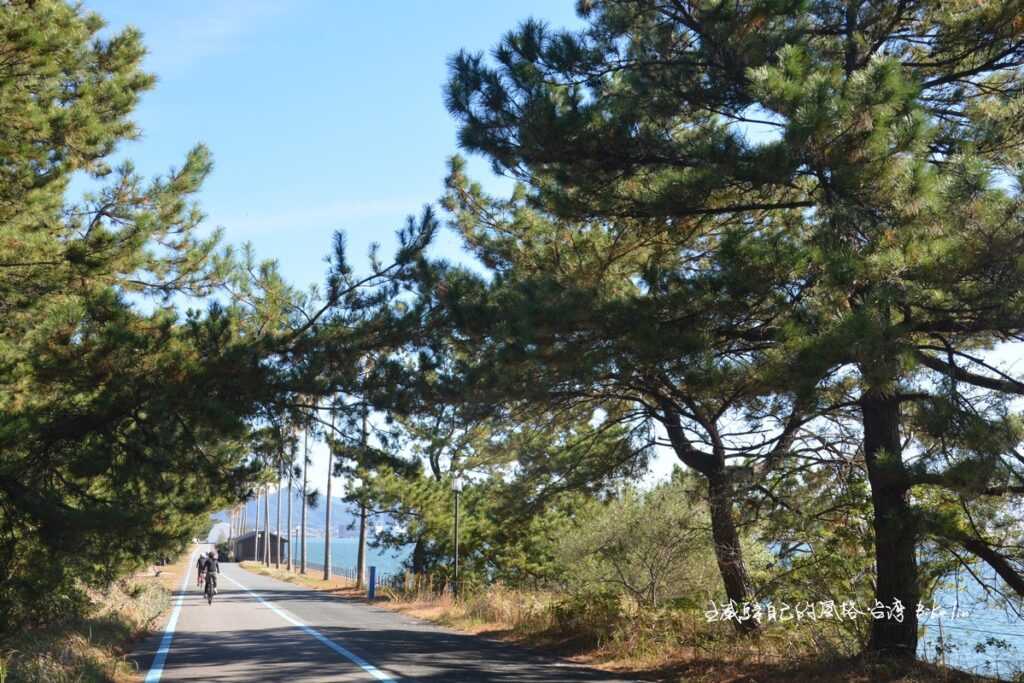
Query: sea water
point(345, 551)
point(964, 637)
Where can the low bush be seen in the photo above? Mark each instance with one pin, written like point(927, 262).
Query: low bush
point(86, 644)
point(520, 611)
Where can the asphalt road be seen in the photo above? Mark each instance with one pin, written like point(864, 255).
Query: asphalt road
point(261, 629)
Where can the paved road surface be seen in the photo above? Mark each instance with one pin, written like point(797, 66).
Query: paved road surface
point(261, 629)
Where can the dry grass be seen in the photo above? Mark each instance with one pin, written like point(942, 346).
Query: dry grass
point(497, 611)
point(669, 646)
point(94, 647)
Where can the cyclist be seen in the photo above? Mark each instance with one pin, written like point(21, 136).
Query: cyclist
point(200, 570)
point(212, 569)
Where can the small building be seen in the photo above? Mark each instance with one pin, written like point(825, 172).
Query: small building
point(244, 546)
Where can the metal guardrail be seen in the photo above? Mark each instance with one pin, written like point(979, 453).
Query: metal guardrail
point(344, 572)
point(397, 581)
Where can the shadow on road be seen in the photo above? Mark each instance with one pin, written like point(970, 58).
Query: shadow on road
point(408, 649)
point(289, 654)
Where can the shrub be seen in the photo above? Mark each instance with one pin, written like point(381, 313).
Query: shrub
point(654, 547)
point(591, 617)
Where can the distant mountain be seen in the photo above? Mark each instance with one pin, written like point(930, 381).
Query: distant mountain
point(343, 516)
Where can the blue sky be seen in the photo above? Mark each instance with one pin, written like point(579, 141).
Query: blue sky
point(321, 115)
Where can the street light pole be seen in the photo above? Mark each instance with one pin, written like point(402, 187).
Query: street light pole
point(457, 489)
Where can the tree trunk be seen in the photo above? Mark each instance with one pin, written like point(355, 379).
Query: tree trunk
point(266, 526)
point(419, 557)
point(726, 539)
point(280, 487)
point(895, 529)
point(256, 537)
point(291, 545)
point(302, 532)
point(361, 550)
point(327, 510)
point(728, 551)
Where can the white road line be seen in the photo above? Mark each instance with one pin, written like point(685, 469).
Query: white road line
point(327, 642)
point(157, 669)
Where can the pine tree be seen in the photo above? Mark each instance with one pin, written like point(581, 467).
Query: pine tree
point(123, 422)
point(879, 143)
point(622, 316)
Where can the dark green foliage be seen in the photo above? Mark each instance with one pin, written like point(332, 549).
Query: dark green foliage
point(525, 481)
point(122, 423)
point(848, 175)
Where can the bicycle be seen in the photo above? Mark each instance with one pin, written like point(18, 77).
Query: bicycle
point(209, 591)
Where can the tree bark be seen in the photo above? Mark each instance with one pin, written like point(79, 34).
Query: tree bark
point(266, 525)
point(361, 550)
point(361, 557)
point(327, 512)
point(996, 560)
point(291, 545)
point(305, 471)
point(419, 557)
point(256, 536)
point(728, 551)
point(280, 482)
point(895, 528)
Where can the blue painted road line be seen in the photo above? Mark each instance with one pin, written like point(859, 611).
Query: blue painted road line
point(327, 642)
point(157, 669)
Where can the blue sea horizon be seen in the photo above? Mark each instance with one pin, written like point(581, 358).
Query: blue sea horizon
point(344, 552)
